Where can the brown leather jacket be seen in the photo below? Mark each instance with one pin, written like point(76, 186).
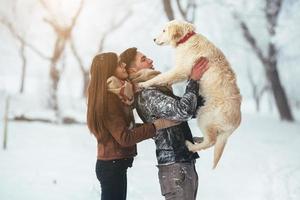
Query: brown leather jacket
point(122, 140)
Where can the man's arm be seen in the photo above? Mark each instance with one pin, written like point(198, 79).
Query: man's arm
point(164, 106)
point(200, 102)
point(160, 105)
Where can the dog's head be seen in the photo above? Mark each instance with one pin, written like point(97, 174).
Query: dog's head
point(173, 32)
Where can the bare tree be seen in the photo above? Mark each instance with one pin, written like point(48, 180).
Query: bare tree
point(187, 12)
point(270, 61)
point(63, 35)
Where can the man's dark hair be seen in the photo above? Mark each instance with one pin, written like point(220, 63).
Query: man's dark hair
point(128, 56)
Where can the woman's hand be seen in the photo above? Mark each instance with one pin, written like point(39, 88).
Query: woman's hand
point(199, 69)
point(164, 123)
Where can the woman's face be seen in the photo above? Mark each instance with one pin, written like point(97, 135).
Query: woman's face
point(120, 71)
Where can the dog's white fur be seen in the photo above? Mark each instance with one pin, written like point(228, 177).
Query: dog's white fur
point(221, 114)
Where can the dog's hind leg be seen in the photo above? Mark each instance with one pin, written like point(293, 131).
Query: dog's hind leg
point(210, 137)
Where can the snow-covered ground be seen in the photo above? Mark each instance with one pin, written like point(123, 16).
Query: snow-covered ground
point(56, 162)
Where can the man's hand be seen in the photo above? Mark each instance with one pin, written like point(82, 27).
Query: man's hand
point(199, 69)
point(164, 123)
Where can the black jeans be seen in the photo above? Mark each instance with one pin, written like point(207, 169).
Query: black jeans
point(112, 175)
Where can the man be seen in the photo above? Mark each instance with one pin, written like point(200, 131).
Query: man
point(177, 174)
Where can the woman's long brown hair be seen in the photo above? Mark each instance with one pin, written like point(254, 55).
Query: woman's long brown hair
point(103, 66)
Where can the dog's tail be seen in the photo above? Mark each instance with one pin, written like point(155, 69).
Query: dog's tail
point(219, 148)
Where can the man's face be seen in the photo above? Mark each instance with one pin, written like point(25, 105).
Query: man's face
point(142, 62)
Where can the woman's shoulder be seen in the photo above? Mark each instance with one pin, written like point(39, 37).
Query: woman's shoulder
point(113, 100)
point(112, 97)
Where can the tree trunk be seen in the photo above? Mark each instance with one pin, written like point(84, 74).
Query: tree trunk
point(54, 75)
point(54, 72)
point(278, 91)
point(24, 63)
point(168, 9)
point(5, 122)
point(272, 10)
point(257, 100)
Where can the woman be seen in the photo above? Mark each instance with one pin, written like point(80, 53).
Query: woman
point(111, 121)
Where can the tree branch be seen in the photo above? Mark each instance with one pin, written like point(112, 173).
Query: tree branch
point(251, 40)
point(64, 32)
point(272, 11)
point(15, 34)
point(76, 55)
point(182, 12)
point(113, 27)
point(74, 19)
point(251, 80)
point(193, 16)
point(45, 6)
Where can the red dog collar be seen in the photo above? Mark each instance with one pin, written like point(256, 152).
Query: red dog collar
point(186, 37)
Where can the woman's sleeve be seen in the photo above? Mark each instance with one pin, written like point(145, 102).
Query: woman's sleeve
point(116, 125)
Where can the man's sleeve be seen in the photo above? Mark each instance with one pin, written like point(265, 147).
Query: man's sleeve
point(161, 105)
point(200, 102)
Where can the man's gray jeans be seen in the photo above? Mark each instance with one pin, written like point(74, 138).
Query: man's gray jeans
point(178, 181)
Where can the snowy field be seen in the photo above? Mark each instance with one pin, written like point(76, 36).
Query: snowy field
point(57, 162)
point(42, 161)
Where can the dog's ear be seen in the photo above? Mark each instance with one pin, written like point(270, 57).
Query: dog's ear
point(175, 32)
point(189, 27)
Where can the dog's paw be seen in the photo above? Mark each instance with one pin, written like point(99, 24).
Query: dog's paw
point(142, 85)
point(198, 139)
point(190, 146)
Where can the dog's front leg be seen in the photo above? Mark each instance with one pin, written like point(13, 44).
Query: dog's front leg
point(167, 78)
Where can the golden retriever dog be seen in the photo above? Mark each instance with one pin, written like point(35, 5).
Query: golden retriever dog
point(221, 114)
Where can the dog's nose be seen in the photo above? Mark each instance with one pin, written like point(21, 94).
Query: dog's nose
point(154, 39)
